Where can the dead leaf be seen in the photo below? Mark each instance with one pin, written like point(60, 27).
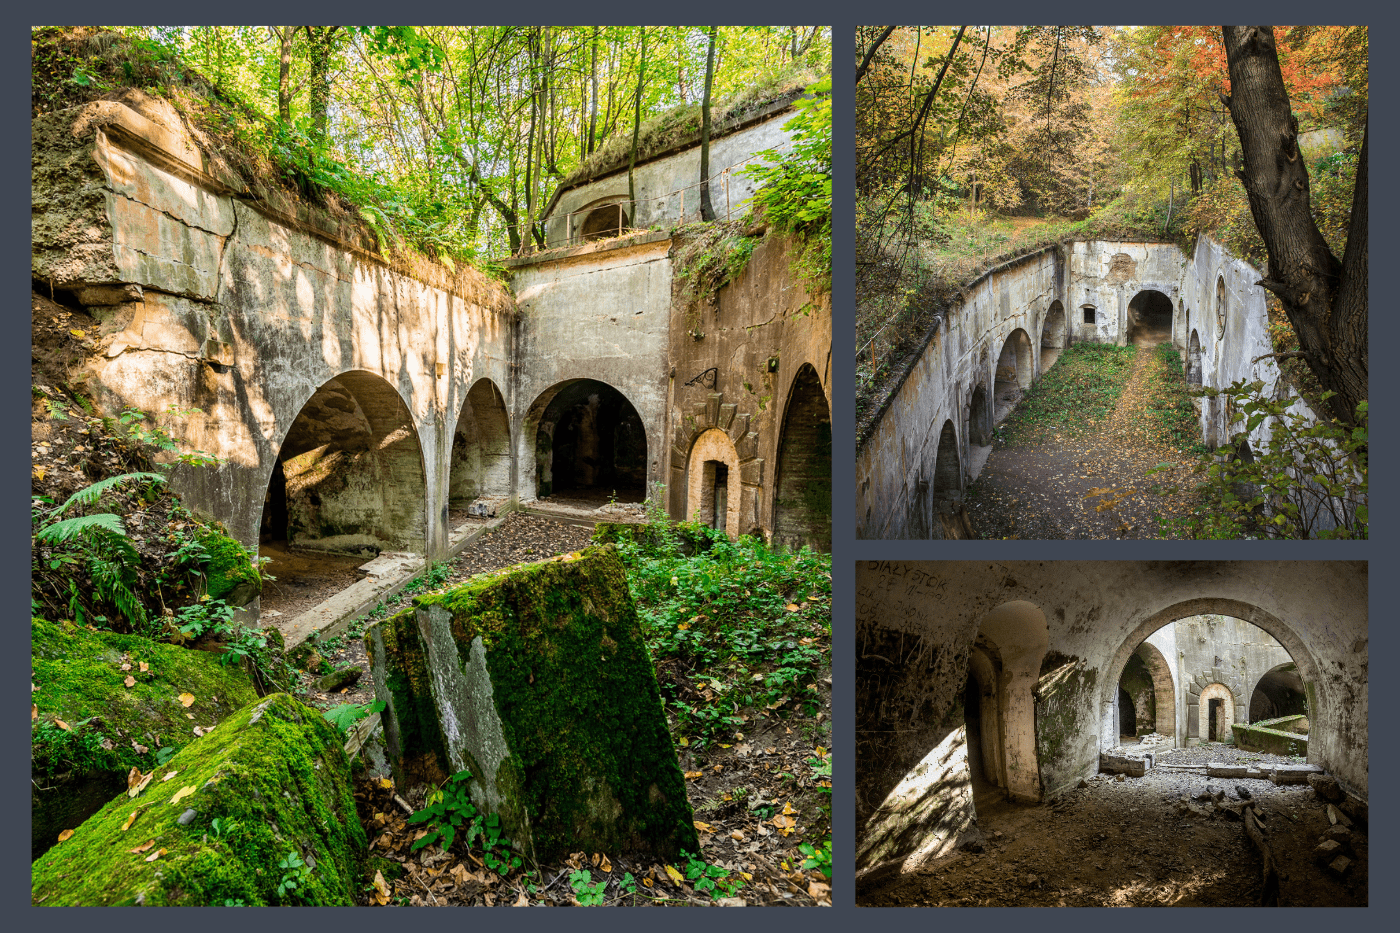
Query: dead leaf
point(792, 607)
point(129, 681)
point(65, 835)
point(689, 775)
point(80, 334)
point(155, 855)
point(647, 881)
point(170, 775)
point(819, 891)
point(704, 827)
point(130, 820)
point(33, 712)
point(675, 876)
point(737, 834)
point(145, 667)
point(125, 667)
point(522, 901)
point(63, 725)
point(135, 789)
point(186, 700)
point(381, 889)
point(142, 848)
point(605, 865)
point(182, 793)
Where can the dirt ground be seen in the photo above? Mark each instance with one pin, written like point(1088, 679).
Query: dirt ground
point(1094, 486)
point(1138, 843)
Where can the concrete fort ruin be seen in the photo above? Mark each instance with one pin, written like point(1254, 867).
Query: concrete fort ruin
point(1006, 680)
point(917, 461)
point(355, 397)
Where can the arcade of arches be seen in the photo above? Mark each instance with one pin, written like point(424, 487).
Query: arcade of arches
point(987, 691)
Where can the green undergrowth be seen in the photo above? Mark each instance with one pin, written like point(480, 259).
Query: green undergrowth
point(1078, 392)
point(1172, 416)
point(732, 626)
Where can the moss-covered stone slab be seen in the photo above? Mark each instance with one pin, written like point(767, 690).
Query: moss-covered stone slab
point(79, 683)
point(537, 680)
point(230, 574)
point(274, 777)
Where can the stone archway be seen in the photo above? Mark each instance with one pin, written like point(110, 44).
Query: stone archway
point(1013, 373)
point(589, 442)
point(714, 493)
point(1212, 714)
point(979, 417)
point(1052, 336)
point(981, 713)
point(606, 217)
point(1321, 714)
point(945, 496)
point(1150, 316)
point(1017, 633)
point(481, 448)
point(349, 474)
point(802, 504)
point(1193, 360)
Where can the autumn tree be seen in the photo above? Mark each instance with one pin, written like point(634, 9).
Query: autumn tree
point(1325, 298)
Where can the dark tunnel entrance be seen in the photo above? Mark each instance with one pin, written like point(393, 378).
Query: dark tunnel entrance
point(590, 444)
point(1149, 319)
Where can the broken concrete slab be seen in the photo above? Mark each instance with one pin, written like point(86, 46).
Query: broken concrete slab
point(1327, 849)
point(277, 781)
point(1340, 866)
point(537, 681)
point(1326, 787)
point(1122, 764)
point(1292, 774)
point(1337, 818)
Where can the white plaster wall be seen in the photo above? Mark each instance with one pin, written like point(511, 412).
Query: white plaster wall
point(658, 182)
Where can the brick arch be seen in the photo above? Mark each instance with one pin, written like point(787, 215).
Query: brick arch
point(711, 501)
point(746, 469)
point(1228, 691)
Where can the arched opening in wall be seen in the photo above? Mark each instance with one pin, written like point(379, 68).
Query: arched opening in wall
point(1127, 717)
point(480, 452)
point(590, 445)
point(1017, 636)
point(979, 418)
point(984, 732)
point(1149, 319)
point(1013, 373)
point(713, 491)
point(802, 504)
point(348, 483)
point(1220, 307)
point(605, 218)
point(1193, 360)
point(1222, 648)
point(946, 494)
point(1052, 336)
point(1279, 693)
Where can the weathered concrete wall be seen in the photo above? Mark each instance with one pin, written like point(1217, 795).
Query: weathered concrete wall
point(769, 343)
point(245, 305)
point(1209, 646)
point(917, 622)
point(902, 475)
point(658, 181)
point(600, 314)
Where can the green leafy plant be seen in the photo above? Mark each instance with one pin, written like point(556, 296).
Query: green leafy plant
point(818, 858)
point(295, 871)
point(346, 715)
point(1308, 480)
point(710, 879)
point(587, 892)
point(448, 808)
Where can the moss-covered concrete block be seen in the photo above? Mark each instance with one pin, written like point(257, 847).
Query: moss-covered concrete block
point(274, 776)
point(230, 574)
point(537, 680)
point(79, 683)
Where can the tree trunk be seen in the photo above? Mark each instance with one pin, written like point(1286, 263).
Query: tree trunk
point(321, 42)
point(1326, 300)
point(593, 119)
point(284, 35)
point(636, 127)
point(707, 211)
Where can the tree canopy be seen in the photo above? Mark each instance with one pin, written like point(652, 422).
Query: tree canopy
point(454, 139)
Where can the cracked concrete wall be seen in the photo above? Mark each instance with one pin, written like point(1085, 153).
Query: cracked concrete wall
point(917, 622)
point(1219, 649)
point(244, 303)
point(658, 181)
point(961, 357)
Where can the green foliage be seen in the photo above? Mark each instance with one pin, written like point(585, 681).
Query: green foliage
point(587, 892)
point(722, 615)
point(295, 871)
point(1308, 480)
point(818, 858)
point(448, 808)
point(346, 715)
point(795, 185)
point(1169, 402)
point(710, 256)
point(710, 879)
point(1081, 388)
point(133, 424)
